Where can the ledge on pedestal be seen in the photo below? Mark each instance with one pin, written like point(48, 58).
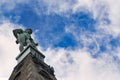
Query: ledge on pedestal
point(30, 50)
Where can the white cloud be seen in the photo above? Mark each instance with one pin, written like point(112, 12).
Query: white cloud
point(84, 66)
point(102, 9)
point(114, 15)
point(9, 50)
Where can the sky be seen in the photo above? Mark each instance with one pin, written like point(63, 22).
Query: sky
point(80, 38)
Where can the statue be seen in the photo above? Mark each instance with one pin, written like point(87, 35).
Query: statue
point(24, 38)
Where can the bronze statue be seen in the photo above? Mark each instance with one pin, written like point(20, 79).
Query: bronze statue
point(24, 38)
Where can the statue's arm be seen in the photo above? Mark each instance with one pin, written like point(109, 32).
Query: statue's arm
point(17, 31)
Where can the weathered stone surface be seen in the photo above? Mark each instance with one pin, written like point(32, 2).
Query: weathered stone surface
point(32, 68)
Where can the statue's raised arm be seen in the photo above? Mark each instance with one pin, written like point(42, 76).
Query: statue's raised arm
point(24, 38)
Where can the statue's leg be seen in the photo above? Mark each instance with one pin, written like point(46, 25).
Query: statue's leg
point(21, 47)
point(28, 42)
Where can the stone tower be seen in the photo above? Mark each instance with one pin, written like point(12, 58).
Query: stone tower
point(31, 66)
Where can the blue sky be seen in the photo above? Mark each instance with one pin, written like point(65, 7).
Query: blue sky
point(82, 35)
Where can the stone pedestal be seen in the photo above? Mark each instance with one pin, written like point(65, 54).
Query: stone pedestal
point(31, 66)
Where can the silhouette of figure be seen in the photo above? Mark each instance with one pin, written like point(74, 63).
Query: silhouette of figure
point(24, 38)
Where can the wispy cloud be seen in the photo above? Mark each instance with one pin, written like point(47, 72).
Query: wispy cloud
point(6, 5)
point(101, 10)
point(83, 67)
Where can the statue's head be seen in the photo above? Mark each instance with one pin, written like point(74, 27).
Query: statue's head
point(28, 31)
point(20, 31)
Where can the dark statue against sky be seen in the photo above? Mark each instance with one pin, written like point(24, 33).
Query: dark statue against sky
point(24, 38)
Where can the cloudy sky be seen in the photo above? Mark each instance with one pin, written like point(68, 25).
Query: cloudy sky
point(80, 38)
